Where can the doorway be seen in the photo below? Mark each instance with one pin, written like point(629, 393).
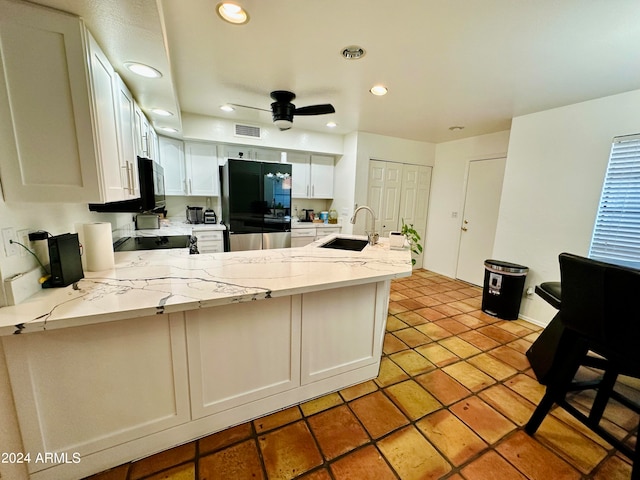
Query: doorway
point(480, 218)
point(399, 191)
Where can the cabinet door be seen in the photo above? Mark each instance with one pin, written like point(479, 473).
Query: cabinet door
point(47, 150)
point(300, 187)
point(173, 163)
point(202, 169)
point(242, 352)
point(103, 85)
point(342, 330)
point(126, 137)
point(321, 176)
point(84, 389)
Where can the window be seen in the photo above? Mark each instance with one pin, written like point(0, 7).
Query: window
point(616, 235)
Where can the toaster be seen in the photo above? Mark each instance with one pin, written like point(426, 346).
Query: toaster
point(147, 221)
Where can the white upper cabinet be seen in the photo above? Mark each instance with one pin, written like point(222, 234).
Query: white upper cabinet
point(125, 104)
point(300, 187)
point(146, 139)
point(311, 175)
point(202, 169)
point(47, 149)
point(171, 157)
point(190, 168)
point(59, 127)
point(321, 176)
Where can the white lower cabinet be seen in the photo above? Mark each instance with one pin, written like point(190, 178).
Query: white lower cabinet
point(341, 331)
point(304, 236)
point(88, 388)
point(209, 241)
point(241, 353)
point(121, 390)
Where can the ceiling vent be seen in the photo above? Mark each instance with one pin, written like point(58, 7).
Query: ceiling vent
point(247, 131)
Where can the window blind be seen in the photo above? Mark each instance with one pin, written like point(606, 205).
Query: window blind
point(616, 234)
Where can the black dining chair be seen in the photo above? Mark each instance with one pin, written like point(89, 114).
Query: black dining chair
point(598, 314)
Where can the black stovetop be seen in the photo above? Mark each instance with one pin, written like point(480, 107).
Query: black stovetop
point(126, 244)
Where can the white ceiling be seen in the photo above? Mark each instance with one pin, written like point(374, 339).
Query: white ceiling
point(476, 63)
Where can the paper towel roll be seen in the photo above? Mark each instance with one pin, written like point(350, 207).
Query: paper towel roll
point(98, 246)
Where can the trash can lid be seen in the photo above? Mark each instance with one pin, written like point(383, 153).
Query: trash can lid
point(505, 267)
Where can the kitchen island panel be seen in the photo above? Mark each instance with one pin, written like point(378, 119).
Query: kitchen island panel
point(81, 390)
point(342, 329)
point(241, 353)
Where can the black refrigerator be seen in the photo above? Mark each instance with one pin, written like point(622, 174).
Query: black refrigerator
point(256, 204)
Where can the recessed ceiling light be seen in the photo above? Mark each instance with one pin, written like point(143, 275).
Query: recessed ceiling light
point(168, 129)
point(353, 52)
point(455, 128)
point(143, 70)
point(332, 124)
point(232, 12)
point(379, 90)
point(227, 108)
point(161, 112)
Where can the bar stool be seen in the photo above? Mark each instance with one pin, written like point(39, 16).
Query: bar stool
point(598, 313)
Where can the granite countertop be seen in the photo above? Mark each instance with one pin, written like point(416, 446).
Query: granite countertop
point(315, 225)
point(149, 282)
point(174, 226)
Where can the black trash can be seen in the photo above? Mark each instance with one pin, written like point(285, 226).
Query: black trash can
point(503, 287)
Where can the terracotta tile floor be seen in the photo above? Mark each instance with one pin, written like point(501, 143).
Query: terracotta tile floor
point(454, 392)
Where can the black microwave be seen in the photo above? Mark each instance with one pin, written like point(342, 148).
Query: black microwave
point(152, 193)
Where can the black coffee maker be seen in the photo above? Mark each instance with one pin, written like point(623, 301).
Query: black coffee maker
point(308, 215)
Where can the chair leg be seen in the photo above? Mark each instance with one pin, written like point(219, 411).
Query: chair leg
point(635, 468)
point(559, 380)
point(540, 412)
point(604, 393)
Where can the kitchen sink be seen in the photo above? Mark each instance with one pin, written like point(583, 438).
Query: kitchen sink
point(340, 243)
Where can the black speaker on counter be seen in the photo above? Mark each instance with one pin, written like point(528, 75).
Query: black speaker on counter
point(64, 258)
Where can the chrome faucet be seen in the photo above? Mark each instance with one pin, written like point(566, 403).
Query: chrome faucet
point(372, 236)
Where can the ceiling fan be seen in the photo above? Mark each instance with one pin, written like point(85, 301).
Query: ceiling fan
point(283, 110)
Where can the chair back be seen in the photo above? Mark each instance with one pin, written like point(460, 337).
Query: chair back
point(599, 302)
point(582, 284)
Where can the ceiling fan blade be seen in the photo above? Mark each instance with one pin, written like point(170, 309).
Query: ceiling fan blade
point(247, 106)
point(315, 109)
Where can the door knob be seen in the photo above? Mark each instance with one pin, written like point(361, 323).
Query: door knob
point(464, 229)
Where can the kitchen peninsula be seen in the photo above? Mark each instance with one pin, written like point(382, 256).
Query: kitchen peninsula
point(168, 347)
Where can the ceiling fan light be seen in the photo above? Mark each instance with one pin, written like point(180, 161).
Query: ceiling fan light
point(283, 124)
point(232, 12)
point(379, 90)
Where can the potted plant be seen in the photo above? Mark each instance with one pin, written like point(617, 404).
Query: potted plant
point(413, 238)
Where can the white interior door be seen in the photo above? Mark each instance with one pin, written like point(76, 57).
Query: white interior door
point(480, 218)
point(385, 182)
point(414, 201)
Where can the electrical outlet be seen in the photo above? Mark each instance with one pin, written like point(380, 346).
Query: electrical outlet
point(23, 238)
point(9, 235)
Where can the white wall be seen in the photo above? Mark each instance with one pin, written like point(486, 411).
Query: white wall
point(556, 164)
point(448, 185)
point(55, 218)
point(213, 129)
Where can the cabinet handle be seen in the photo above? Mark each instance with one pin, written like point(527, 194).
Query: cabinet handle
point(126, 169)
point(307, 194)
point(313, 190)
point(189, 192)
point(145, 144)
point(132, 181)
